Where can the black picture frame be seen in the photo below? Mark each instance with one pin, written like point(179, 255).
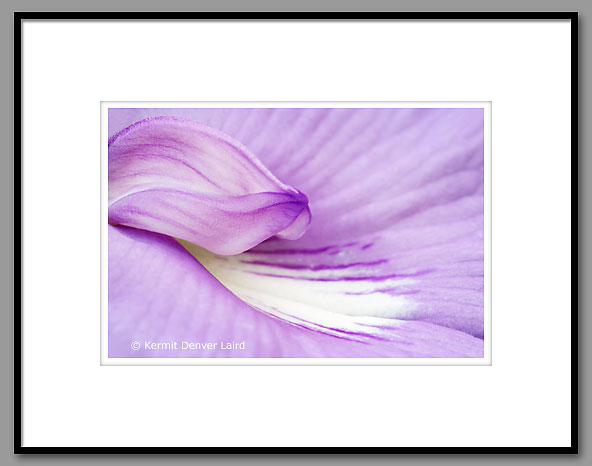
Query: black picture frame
point(19, 17)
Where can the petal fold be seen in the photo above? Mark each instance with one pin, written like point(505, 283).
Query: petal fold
point(166, 301)
point(190, 181)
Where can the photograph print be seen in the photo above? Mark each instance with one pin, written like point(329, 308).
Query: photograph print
point(306, 233)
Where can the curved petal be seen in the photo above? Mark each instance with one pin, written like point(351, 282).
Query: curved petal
point(397, 199)
point(160, 295)
point(188, 180)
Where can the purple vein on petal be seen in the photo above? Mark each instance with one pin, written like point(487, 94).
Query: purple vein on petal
point(288, 251)
point(314, 267)
point(372, 278)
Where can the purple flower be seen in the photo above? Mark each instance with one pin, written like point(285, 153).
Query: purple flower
point(296, 232)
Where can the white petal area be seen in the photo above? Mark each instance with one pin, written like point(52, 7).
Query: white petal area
point(340, 300)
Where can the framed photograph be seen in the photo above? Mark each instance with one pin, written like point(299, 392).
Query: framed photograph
point(296, 232)
point(360, 271)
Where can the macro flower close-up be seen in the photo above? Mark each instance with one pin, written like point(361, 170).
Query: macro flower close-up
point(296, 233)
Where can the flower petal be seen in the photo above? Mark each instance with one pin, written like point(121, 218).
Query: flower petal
point(159, 294)
point(188, 180)
point(398, 203)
